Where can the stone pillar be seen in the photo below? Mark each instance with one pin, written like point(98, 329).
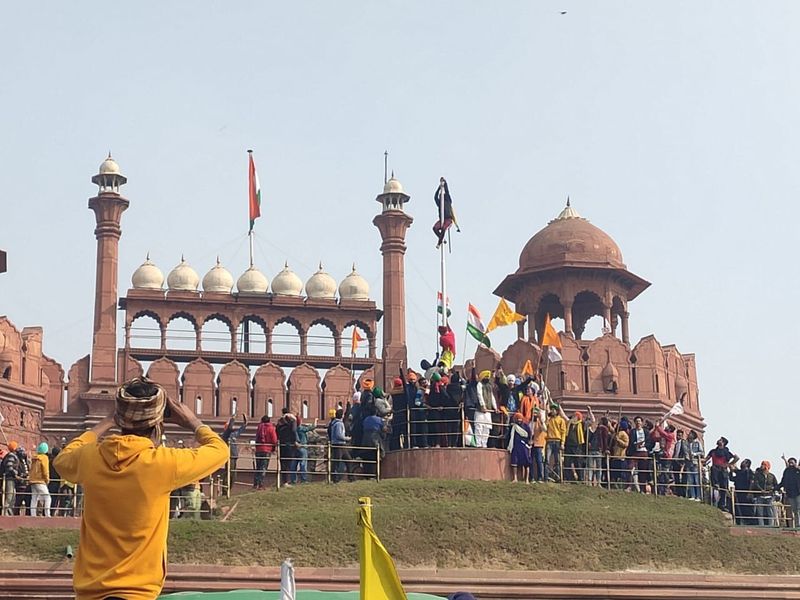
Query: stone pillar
point(163, 338)
point(625, 331)
point(108, 208)
point(337, 344)
point(568, 319)
point(521, 330)
point(607, 315)
point(304, 342)
point(393, 223)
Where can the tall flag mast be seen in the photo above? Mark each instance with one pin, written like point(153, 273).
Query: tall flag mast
point(254, 193)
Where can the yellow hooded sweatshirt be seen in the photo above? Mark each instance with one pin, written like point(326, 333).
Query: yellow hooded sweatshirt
point(126, 482)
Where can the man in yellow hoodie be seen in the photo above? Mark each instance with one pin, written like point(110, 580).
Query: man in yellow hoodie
point(127, 480)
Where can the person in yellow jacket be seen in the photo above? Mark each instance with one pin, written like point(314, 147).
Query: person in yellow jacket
point(39, 477)
point(556, 435)
point(126, 482)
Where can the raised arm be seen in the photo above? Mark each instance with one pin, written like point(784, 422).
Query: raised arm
point(68, 460)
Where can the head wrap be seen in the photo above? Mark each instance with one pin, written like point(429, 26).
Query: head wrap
point(412, 377)
point(12, 445)
point(518, 416)
point(579, 415)
point(42, 448)
point(534, 386)
point(511, 379)
point(136, 411)
point(368, 384)
point(765, 464)
point(331, 413)
point(397, 382)
point(377, 392)
point(486, 374)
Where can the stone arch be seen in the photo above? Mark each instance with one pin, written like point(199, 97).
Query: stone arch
point(323, 345)
point(253, 338)
point(165, 372)
point(585, 305)
point(199, 389)
point(549, 303)
point(304, 386)
point(362, 349)
point(214, 337)
point(182, 335)
point(284, 342)
point(269, 382)
point(144, 334)
point(233, 383)
point(338, 387)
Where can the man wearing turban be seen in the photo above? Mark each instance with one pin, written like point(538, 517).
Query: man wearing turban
point(127, 480)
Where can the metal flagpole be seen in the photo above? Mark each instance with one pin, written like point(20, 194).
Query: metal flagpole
point(442, 254)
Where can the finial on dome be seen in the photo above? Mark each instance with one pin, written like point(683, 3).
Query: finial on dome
point(320, 265)
point(354, 267)
point(148, 255)
point(218, 261)
point(286, 264)
point(183, 259)
point(567, 201)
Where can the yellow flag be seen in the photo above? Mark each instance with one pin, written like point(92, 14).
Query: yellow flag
point(504, 315)
point(528, 368)
point(550, 337)
point(379, 580)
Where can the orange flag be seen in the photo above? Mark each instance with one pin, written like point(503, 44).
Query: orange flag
point(528, 368)
point(354, 343)
point(550, 337)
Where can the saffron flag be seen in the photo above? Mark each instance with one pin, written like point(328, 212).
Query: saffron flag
point(527, 369)
point(254, 192)
point(504, 315)
point(476, 327)
point(354, 342)
point(379, 580)
point(550, 337)
point(440, 304)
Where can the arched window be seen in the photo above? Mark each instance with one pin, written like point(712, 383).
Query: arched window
point(198, 405)
point(305, 409)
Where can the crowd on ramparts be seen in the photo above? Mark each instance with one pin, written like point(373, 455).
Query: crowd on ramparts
point(437, 407)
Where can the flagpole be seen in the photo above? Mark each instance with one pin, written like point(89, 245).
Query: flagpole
point(442, 255)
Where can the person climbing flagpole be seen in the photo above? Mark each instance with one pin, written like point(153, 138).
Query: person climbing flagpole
point(446, 336)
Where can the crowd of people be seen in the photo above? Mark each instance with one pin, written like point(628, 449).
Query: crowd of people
point(437, 407)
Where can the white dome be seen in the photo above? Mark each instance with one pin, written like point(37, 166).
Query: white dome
point(393, 186)
point(321, 285)
point(354, 287)
point(218, 280)
point(147, 276)
point(183, 278)
point(286, 283)
point(109, 166)
point(252, 281)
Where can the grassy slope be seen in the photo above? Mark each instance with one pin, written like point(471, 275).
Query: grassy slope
point(463, 525)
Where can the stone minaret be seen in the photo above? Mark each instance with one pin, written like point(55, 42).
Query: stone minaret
point(393, 223)
point(108, 207)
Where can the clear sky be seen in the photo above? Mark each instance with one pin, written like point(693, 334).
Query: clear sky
point(671, 125)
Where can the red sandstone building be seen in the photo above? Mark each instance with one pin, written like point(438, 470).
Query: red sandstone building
point(570, 269)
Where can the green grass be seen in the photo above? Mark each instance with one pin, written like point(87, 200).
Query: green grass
point(452, 524)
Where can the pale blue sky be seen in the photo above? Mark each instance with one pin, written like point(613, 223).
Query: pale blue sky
point(672, 126)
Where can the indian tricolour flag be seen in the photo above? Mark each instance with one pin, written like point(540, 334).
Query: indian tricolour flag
point(475, 326)
point(440, 304)
point(255, 192)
